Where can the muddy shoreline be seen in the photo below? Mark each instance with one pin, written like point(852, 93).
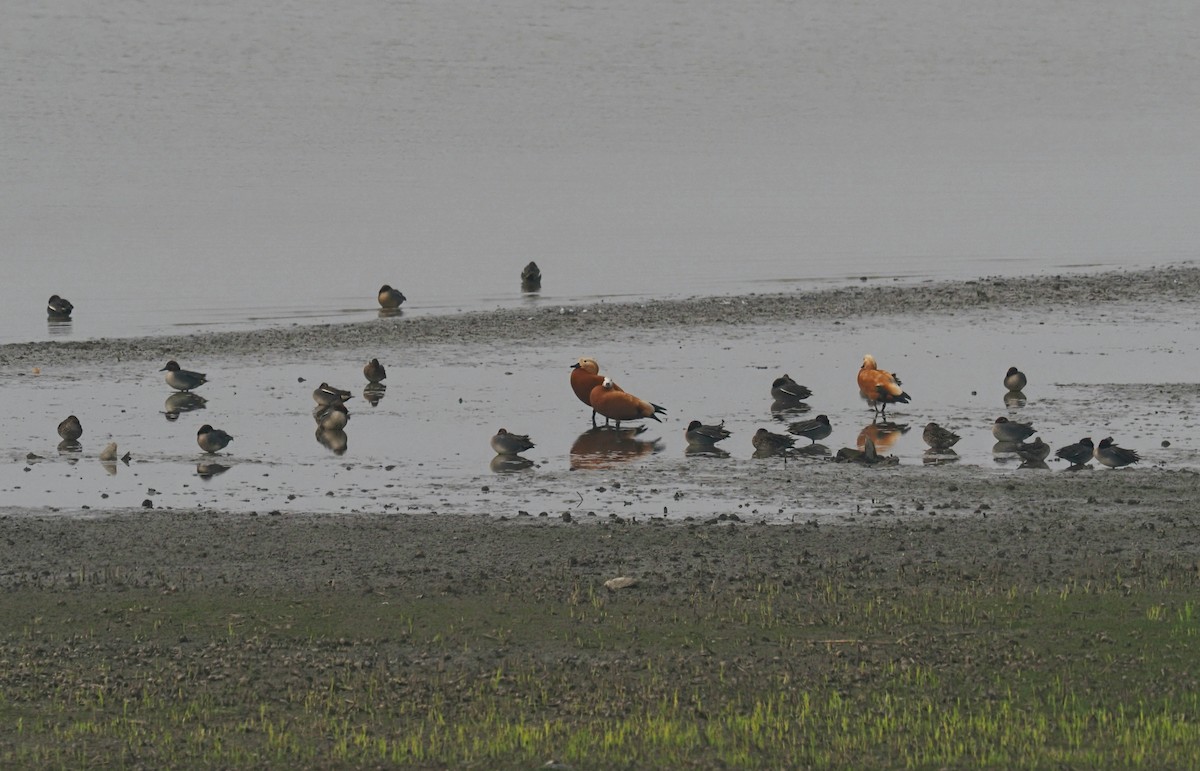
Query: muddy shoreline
point(1038, 528)
point(1032, 530)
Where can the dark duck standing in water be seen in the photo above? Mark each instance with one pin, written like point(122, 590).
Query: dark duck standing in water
point(59, 308)
point(531, 278)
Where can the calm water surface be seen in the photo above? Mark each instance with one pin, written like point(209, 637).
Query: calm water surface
point(178, 166)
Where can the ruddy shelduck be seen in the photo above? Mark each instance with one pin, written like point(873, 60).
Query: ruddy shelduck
point(585, 376)
point(610, 401)
point(878, 386)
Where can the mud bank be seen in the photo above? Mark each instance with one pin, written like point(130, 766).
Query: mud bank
point(1058, 522)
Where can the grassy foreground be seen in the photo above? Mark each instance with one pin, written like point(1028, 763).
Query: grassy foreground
point(916, 669)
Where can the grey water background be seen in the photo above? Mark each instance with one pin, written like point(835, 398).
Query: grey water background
point(176, 166)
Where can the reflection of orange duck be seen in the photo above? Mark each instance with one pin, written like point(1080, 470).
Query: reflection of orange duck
point(883, 435)
point(604, 446)
point(585, 375)
point(610, 401)
point(878, 386)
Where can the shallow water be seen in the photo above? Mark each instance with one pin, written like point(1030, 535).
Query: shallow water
point(424, 446)
point(188, 166)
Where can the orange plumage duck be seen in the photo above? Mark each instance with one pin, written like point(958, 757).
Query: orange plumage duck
point(878, 386)
point(585, 376)
point(610, 401)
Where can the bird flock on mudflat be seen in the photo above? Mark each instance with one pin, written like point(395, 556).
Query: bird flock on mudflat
point(878, 387)
point(331, 414)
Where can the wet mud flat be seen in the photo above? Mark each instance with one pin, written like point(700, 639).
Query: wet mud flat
point(1047, 624)
point(1104, 354)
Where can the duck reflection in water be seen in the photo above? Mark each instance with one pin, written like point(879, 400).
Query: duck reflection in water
point(58, 327)
point(210, 469)
point(786, 411)
point(506, 464)
point(374, 393)
point(331, 418)
point(883, 434)
point(183, 401)
point(606, 446)
point(710, 451)
point(1014, 399)
point(814, 450)
point(334, 441)
point(935, 457)
point(1005, 452)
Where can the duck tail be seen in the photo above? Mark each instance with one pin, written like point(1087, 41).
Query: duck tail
point(658, 409)
point(889, 393)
